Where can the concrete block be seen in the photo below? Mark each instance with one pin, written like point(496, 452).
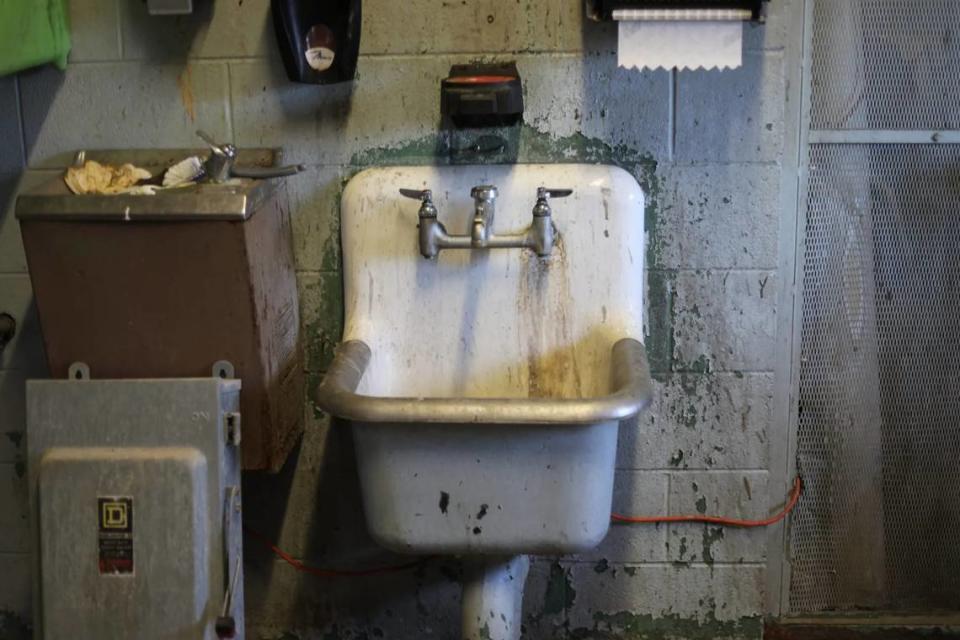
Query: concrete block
point(238, 29)
point(16, 595)
point(315, 213)
point(321, 317)
point(11, 152)
point(12, 417)
point(662, 600)
point(483, 26)
point(590, 95)
point(719, 216)
point(25, 352)
point(12, 257)
point(641, 493)
point(95, 30)
point(732, 115)
point(124, 105)
point(14, 515)
point(325, 125)
point(735, 494)
point(724, 321)
point(702, 421)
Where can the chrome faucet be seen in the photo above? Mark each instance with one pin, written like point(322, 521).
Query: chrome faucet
point(538, 237)
point(219, 167)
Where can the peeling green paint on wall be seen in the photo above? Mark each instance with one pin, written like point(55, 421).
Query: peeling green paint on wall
point(323, 332)
point(661, 317)
point(321, 301)
point(711, 535)
point(701, 504)
point(559, 594)
point(629, 626)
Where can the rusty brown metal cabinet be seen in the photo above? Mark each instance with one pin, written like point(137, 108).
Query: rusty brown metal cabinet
point(167, 285)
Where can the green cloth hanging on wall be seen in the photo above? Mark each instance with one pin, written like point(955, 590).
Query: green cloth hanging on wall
point(33, 32)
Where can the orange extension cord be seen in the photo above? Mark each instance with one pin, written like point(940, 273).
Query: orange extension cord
point(615, 517)
point(331, 573)
point(728, 522)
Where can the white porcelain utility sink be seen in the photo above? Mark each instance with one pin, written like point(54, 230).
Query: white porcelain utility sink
point(485, 386)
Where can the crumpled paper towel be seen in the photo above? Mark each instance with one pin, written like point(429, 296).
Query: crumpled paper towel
point(184, 172)
point(94, 177)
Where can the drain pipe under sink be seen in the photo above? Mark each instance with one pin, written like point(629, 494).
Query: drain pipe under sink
point(493, 596)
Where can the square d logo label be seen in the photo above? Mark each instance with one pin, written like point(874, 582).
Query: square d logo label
point(115, 538)
point(116, 514)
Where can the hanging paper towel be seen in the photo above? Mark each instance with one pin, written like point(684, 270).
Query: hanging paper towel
point(681, 39)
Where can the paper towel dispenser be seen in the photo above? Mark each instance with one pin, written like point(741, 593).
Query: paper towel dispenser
point(677, 10)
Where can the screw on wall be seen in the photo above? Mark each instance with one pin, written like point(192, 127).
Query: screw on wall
point(8, 328)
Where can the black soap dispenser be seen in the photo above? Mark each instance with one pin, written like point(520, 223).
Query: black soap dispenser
point(319, 39)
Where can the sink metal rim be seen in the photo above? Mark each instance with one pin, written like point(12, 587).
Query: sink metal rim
point(632, 393)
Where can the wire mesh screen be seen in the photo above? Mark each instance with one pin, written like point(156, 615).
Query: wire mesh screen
point(886, 64)
point(879, 431)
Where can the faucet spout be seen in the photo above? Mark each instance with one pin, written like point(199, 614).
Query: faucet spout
point(485, 207)
point(219, 166)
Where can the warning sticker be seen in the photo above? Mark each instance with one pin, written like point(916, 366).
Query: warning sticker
point(115, 535)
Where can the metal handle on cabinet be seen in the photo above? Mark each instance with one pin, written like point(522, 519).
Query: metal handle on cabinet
point(226, 623)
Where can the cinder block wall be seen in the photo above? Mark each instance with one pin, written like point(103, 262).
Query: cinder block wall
point(706, 145)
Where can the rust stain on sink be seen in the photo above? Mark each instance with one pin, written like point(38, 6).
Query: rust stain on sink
point(544, 297)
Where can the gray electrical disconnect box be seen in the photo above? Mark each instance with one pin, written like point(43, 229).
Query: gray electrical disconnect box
point(135, 498)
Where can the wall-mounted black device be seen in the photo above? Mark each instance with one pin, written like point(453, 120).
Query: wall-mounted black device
point(482, 95)
point(319, 39)
point(664, 9)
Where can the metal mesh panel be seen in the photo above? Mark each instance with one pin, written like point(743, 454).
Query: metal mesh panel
point(879, 432)
point(886, 64)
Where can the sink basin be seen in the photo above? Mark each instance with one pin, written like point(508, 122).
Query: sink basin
point(485, 387)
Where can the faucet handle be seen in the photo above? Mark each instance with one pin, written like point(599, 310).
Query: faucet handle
point(542, 208)
point(227, 149)
point(486, 192)
point(544, 193)
point(427, 210)
point(425, 195)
